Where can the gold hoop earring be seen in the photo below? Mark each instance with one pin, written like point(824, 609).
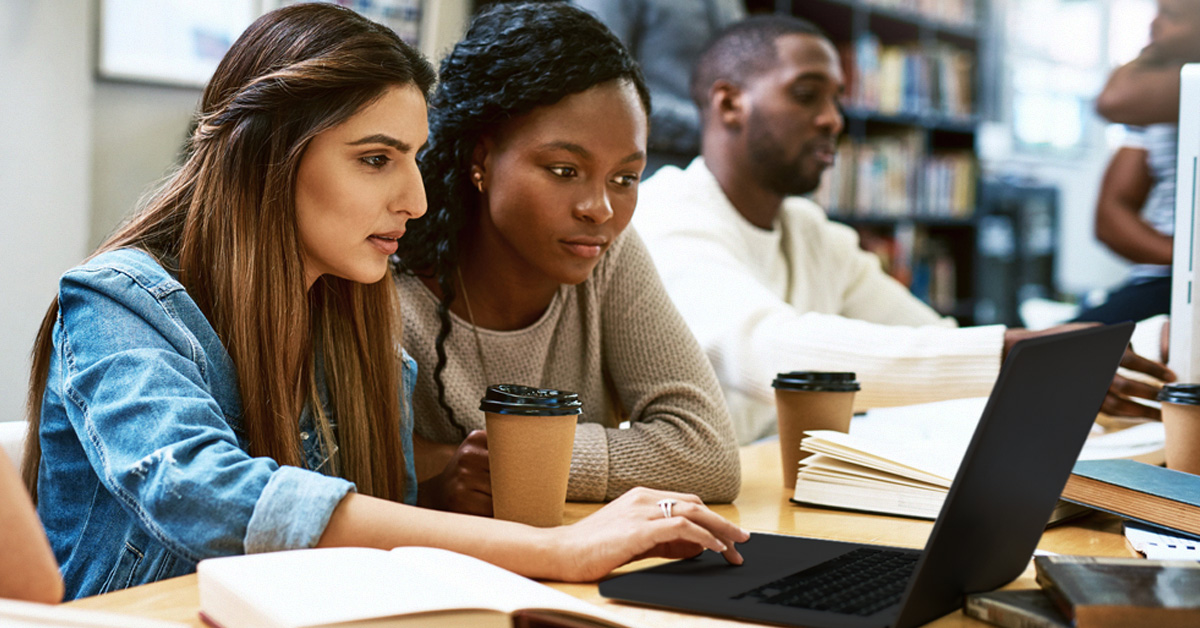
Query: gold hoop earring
point(477, 179)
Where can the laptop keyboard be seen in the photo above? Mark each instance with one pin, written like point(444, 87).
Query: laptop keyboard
point(860, 582)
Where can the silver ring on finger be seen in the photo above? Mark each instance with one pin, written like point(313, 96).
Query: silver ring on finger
point(666, 505)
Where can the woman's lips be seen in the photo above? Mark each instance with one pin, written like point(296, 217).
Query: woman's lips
point(387, 246)
point(587, 248)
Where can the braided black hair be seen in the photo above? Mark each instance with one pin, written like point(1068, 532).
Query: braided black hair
point(515, 58)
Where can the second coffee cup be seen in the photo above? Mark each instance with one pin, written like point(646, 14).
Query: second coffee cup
point(530, 434)
point(810, 400)
point(1181, 424)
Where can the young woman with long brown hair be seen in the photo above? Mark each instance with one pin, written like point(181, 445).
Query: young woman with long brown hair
point(224, 373)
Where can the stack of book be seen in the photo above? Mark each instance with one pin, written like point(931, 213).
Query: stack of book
point(1143, 493)
point(1097, 592)
point(901, 461)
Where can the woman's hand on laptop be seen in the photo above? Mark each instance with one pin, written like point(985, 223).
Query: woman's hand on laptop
point(635, 526)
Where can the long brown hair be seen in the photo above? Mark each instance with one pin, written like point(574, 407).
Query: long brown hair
point(225, 223)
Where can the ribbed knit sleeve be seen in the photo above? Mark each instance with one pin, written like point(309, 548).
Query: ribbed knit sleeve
point(680, 436)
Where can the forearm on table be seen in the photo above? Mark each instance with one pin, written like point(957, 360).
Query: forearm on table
point(675, 450)
point(896, 365)
point(364, 521)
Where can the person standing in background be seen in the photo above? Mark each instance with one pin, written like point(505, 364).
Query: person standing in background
point(1135, 212)
point(666, 37)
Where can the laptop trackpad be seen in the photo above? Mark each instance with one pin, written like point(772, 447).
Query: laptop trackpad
point(708, 584)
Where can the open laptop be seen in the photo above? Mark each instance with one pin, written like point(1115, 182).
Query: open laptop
point(1031, 431)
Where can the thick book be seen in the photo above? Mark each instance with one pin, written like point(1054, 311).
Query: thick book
point(1146, 493)
point(1102, 592)
point(1017, 608)
point(16, 614)
point(902, 461)
point(407, 586)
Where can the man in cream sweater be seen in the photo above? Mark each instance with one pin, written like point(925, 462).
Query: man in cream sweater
point(765, 281)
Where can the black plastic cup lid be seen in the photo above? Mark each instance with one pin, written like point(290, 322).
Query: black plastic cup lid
point(1184, 394)
point(527, 401)
point(816, 381)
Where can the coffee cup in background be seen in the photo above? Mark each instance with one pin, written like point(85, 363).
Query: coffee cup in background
point(531, 434)
point(810, 400)
point(1181, 423)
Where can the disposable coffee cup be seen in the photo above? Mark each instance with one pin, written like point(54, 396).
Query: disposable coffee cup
point(1181, 423)
point(810, 400)
point(530, 433)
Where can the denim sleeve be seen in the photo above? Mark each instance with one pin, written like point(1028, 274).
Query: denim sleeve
point(408, 379)
point(138, 395)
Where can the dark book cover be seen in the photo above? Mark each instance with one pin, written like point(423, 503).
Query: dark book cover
point(1103, 592)
point(1156, 495)
point(1029, 608)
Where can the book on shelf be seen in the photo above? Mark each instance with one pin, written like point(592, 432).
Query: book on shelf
point(955, 12)
point(1104, 592)
point(1015, 608)
point(889, 175)
point(910, 80)
point(407, 586)
point(17, 614)
point(902, 461)
point(1145, 493)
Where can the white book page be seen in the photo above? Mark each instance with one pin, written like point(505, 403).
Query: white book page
point(506, 590)
point(929, 461)
point(350, 584)
point(933, 437)
point(338, 584)
point(17, 614)
point(822, 465)
point(1159, 546)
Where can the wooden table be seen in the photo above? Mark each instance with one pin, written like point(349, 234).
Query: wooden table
point(762, 506)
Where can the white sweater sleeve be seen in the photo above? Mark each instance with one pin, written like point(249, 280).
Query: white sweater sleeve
point(864, 291)
point(750, 334)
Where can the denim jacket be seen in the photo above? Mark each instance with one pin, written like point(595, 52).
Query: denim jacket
point(144, 468)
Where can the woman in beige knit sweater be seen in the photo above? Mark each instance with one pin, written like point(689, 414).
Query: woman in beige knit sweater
point(523, 270)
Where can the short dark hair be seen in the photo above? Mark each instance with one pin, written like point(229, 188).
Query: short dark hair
point(742, 50)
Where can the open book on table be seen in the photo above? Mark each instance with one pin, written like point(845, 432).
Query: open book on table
point(901, 461)
point(17, 614)
point(360, 588)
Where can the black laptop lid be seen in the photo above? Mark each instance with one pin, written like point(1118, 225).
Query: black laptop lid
point(1028, 438)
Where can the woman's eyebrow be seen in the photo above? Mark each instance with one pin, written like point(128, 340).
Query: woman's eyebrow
point(380, 138)
point(570, 147)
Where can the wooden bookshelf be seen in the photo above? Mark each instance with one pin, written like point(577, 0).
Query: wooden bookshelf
point(907, 175)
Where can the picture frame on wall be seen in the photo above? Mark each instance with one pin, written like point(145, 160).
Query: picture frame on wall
point(402, 16)
point(180, 42)
point(169, 42)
